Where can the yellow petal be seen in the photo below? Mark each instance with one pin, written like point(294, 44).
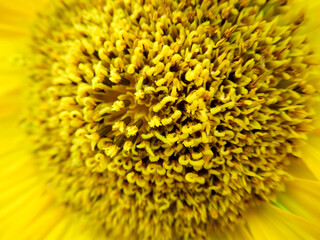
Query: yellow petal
point(311, 155)
point(268, 222)
point(312, 28)
point(299, 169)
point(302, 198)
point(240, 233)
point(27, 208)
point(21, 8)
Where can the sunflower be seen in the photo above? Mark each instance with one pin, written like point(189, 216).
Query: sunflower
point(158, 119)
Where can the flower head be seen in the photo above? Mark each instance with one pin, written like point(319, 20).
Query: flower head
point(168, 119)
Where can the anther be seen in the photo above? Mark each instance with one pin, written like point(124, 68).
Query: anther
point(104, 130)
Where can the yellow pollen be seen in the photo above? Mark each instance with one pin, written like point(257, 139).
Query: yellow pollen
point(117, 106)
point(120, 125)
point(127, 146)
point(155, 121)
point(168, 119)
point(140, 95)
point(112, 150)
point(115, 76)
point(132, 130)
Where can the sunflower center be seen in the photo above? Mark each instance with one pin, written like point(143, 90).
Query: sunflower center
point(167, 119)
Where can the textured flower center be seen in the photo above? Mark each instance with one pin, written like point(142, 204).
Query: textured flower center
point(166, 119)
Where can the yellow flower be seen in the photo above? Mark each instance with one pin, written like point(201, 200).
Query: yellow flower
point(159, 119)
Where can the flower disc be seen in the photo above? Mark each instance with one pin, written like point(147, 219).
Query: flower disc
point(168, 119)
